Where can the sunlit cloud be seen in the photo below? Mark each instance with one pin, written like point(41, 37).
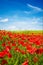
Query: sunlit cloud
point(34, 7)
point(24, 23)
point(33, 10)
point(29, 24)
point(12, 27)
point(27, 12)
point(4, 20)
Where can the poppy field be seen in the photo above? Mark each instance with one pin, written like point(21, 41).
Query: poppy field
point(21, 48)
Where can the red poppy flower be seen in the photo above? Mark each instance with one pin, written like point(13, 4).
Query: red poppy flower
point(4, 62)
point(2, 54)
point(25, 63)
point(35, 59)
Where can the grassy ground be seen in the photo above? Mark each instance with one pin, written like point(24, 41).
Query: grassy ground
point(28, 31)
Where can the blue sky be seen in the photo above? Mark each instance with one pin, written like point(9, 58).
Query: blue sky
point(21, 14)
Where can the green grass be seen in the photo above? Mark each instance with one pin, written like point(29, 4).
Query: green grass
point(28, 31)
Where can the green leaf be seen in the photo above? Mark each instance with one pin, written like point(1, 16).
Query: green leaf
point(16, 63)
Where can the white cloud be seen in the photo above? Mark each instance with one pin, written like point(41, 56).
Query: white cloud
point(12, 27)
point(24, 24)
point(27, 12)
point(34, 7)
point(4, 20)
point(30, 24)
point(35, 21)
